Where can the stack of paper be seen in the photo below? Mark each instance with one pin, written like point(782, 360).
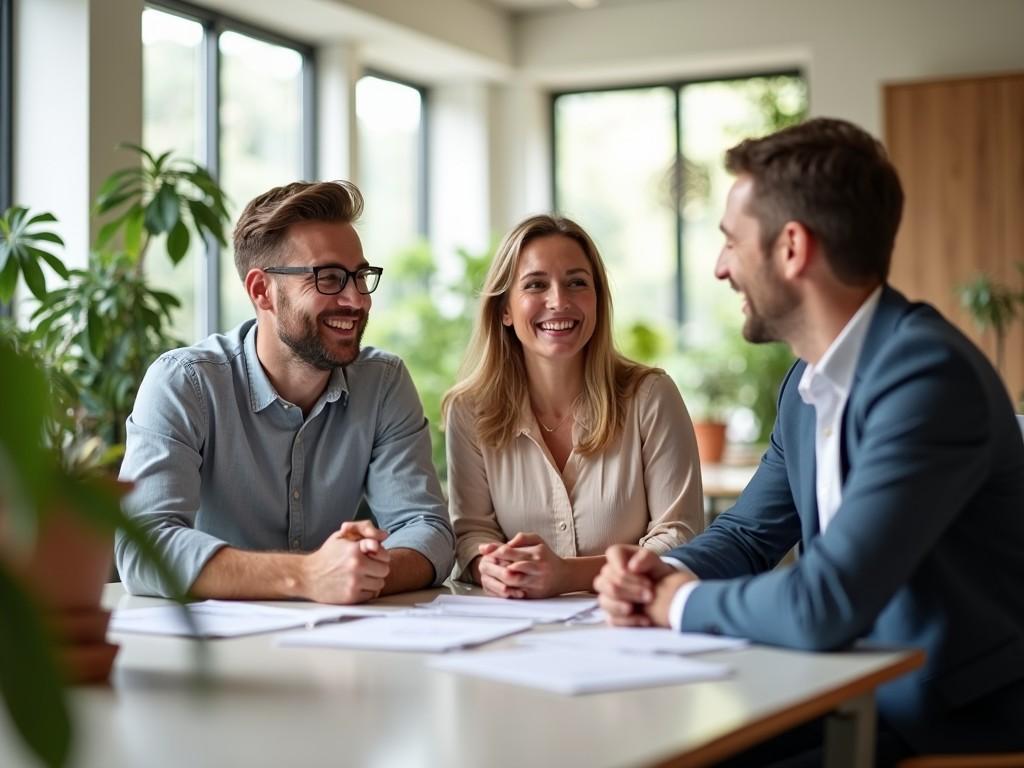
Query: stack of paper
point(569, 671)
point(634, 640)
point(540, 611)
point(219, 618)
point(425, 633)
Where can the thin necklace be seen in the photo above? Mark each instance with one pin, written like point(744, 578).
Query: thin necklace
point(560, 424)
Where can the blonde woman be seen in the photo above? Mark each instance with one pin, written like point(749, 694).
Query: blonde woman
point(558, 446)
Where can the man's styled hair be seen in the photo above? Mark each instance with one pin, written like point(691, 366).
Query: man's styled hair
point(836, 180)
point(264, 223)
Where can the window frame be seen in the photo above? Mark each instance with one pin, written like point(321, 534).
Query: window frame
point(676, 86)
point(214, 24)
point(423, 196)
point(6, 113)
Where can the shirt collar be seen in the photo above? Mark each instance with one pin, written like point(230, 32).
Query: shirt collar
point(262, 392)
point(839, 363)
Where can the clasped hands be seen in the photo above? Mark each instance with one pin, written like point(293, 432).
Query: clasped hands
point(635, 587)
point(350, 566)
point(524, 566)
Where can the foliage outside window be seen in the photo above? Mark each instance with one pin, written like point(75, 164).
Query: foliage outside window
point(642, 170)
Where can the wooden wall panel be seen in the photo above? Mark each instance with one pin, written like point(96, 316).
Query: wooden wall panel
point(959, 148)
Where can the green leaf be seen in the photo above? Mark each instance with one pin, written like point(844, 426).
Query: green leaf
point(40, 218)
point(55, 264)
point(207, 219)
point(33, 277)
point(29, 678)
point(177, 242)
point(162, 211)
point(109, 202)
point(133, 230)
point(107, 230)
point(49, 237)
point(8, 279)
point(23, 383)
point(137, 148)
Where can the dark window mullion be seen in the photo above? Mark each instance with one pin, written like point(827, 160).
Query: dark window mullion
point(309, 118)
point(211, 159)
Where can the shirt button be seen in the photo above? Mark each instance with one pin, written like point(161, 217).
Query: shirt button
point(286, 406)
point(827, 431)
point(562, 526)
point(295, 543)
point(295, 494)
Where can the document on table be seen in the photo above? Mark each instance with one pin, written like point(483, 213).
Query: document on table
point(425, 633)
point(541, 611)
point(634, 640)
point(571, 672)
point(226, 618)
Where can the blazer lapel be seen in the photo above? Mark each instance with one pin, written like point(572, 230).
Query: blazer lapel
point(892, 305)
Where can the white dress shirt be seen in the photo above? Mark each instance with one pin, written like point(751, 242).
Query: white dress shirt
point(826, 386)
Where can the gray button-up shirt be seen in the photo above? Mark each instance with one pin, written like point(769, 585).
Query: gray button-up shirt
point(219, 458)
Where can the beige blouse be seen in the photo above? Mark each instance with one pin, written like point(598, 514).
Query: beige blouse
point(644, 488)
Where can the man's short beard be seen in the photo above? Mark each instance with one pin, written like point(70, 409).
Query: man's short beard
point(309, 347)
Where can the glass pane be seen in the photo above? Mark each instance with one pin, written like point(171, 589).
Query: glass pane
point(614, 152)
point(716, 116)
point(261, 138)
point(171, 70)
point(390, 167)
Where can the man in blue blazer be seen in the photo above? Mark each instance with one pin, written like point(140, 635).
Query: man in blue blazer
point(895, 461)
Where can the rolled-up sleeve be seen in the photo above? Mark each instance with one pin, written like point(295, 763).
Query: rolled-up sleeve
point(469, 493)
point(165, 436)
point(675, 497)
point(402, 488)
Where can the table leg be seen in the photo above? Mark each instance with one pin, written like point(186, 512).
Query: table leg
point(850, 734)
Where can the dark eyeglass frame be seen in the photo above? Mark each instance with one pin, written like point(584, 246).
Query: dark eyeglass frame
point(315, 271)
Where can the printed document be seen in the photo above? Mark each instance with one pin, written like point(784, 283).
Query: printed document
point(571, 672)
point(635, 640)
point(426, 633)
point(541, 611)
point(228, 618)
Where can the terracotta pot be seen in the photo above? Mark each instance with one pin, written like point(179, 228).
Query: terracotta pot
point(67, 570)
point(710, 441)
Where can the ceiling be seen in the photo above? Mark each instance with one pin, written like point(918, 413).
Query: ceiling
point(524, 6)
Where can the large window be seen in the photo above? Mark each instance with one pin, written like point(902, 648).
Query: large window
point(641, 170)
point(392, 162)
point(237, 100)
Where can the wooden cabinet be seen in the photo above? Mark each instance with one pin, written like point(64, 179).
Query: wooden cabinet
point(959, 148)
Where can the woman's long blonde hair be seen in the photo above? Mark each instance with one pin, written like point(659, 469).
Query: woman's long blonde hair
point(493, 374)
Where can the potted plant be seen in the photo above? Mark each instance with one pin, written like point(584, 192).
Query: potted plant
point(73, 378)
point(992, 306)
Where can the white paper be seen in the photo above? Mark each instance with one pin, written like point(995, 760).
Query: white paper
point(635, 640)
point(224, 618)
point(541, 611)
point(424, 633)
point(572, 672)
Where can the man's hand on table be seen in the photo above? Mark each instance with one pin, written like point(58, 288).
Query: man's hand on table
point(350, 566)
point(635, 587)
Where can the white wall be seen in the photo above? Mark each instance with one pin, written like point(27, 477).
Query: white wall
point(848, 48)
point(78, 93)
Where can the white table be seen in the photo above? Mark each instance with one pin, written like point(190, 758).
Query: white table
point(287, 707)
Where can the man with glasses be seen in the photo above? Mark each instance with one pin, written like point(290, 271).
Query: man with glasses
point(252, 450)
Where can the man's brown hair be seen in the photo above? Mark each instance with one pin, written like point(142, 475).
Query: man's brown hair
point(264, 223)
point(836, 180)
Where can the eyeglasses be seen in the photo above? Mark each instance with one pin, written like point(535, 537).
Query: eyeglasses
point(331, 280)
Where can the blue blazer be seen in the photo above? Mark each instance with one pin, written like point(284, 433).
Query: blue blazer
point(926, 550)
